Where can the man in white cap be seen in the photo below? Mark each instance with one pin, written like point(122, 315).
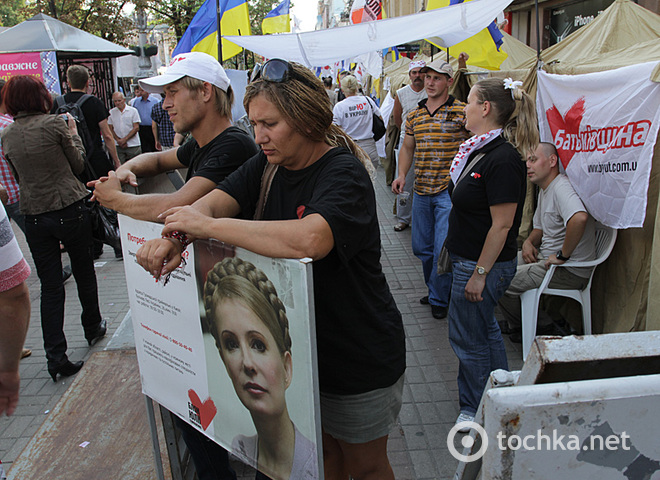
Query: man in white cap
point(198, 99)
point(406, 99)
point(434, 131)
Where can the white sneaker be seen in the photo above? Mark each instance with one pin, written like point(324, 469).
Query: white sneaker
point(464, 417)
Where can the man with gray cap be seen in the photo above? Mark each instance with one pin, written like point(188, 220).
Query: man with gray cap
point(434, 131)
point(198, 99)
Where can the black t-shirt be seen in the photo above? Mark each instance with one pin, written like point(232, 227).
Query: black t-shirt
point(359, 332)
point(95, 112)
point(498, 178)
point(218, 158)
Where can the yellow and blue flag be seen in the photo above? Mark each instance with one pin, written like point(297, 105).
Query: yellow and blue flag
point(202, 33)
point(484, 48)
point(277, 20)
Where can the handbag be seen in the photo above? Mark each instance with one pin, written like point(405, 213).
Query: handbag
point(105, 226)
point(266, 181)
point(444, 260)
point(378, 128)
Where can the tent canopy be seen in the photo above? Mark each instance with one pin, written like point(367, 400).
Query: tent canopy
point(42, 33)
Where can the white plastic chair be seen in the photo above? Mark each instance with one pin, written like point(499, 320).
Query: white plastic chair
point(529, 300)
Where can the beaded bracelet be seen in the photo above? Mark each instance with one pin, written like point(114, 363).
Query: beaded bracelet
point(181, 237)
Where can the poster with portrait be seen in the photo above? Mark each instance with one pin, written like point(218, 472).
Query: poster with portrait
point(228, 344)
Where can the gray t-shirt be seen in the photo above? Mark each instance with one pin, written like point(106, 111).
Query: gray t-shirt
point(556, 205)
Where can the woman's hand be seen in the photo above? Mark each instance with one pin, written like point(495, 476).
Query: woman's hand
point(159, 256)
point(474, 287)
point(71, 122)
point(186, 219)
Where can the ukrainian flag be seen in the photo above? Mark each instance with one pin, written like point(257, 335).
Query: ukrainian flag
point(202, 33)
point(483, 48)
point(277, 20)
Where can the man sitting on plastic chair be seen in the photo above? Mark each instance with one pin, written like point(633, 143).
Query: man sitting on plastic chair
point(563, 229)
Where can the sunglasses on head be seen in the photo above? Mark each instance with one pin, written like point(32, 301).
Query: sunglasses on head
point(276, 70)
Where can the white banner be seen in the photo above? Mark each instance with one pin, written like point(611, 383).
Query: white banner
point(604, 126)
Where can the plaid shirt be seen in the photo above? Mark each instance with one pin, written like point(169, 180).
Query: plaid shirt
point(6, 177)
point(437, 138)
point(164, 124)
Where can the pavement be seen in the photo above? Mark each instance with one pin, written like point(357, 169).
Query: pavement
point(418, 444)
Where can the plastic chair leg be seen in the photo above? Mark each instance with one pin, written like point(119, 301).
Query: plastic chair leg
point(529, 309)
point(586, 312)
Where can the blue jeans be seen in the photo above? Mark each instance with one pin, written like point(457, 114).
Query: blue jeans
point(474, 333)
point(429, 230)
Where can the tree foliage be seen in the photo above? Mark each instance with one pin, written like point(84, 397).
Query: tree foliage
point(176, 13)
point(103, 18)
point(11, 12)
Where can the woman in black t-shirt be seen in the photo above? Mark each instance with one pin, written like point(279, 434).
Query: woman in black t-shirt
point(488, 178)
point(321, 204)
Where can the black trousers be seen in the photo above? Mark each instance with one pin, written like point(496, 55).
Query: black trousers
point(44, 232)
point(147, 140)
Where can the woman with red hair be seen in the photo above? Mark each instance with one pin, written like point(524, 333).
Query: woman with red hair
point(45, 154)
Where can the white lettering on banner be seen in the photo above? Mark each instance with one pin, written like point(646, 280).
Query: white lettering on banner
point(19, 66)
point(632, 134)
point(605, 126)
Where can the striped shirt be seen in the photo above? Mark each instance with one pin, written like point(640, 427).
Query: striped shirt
point(6, 177)
point(13, 267)
point(437, 138)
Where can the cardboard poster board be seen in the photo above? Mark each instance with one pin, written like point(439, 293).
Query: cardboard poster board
point(180, 361)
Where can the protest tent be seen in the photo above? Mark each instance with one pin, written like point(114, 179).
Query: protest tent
point(58, 46)
point(626, 288)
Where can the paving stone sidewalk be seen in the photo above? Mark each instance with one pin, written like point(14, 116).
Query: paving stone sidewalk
point(417, 446)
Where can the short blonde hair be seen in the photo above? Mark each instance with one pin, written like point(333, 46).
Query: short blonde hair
point(349, 84)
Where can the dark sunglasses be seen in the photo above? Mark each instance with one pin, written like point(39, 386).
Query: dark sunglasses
point(276, 70)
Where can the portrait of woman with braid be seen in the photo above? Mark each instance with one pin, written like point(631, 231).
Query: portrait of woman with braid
point(251, 330)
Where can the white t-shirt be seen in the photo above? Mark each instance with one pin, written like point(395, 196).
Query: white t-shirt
point(122, 123)
point(354, 115)
point(557, 204)
point(408, 98)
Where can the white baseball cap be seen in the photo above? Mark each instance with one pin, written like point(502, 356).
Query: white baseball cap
point(416, 64)
point(192, 64)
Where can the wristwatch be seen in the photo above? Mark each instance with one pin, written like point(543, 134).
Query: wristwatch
point(481, 270)
point(561, 257)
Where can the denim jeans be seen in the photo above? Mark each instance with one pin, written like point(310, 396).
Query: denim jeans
point(44, 232)
point(429, 229)
point(14, 212)
point(474, 333)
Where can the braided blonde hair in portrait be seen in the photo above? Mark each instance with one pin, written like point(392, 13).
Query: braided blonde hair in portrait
point(234, 278)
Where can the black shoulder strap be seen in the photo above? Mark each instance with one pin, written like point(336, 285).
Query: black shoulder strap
point(59, 101)
point(83, 99)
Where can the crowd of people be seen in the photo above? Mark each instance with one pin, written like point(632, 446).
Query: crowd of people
point(302, 180)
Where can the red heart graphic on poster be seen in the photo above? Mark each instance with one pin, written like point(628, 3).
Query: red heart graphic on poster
point(207, 409)
point(569, 123)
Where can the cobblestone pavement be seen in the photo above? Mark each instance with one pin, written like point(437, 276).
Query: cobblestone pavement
point(417, 446)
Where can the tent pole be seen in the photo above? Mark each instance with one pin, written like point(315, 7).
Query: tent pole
point(218, 19)
point(538, 35)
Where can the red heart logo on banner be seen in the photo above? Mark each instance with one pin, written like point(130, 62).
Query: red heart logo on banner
point(570, 124)
point(207, 409)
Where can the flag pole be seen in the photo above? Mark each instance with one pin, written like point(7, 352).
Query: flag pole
point(217, 20)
